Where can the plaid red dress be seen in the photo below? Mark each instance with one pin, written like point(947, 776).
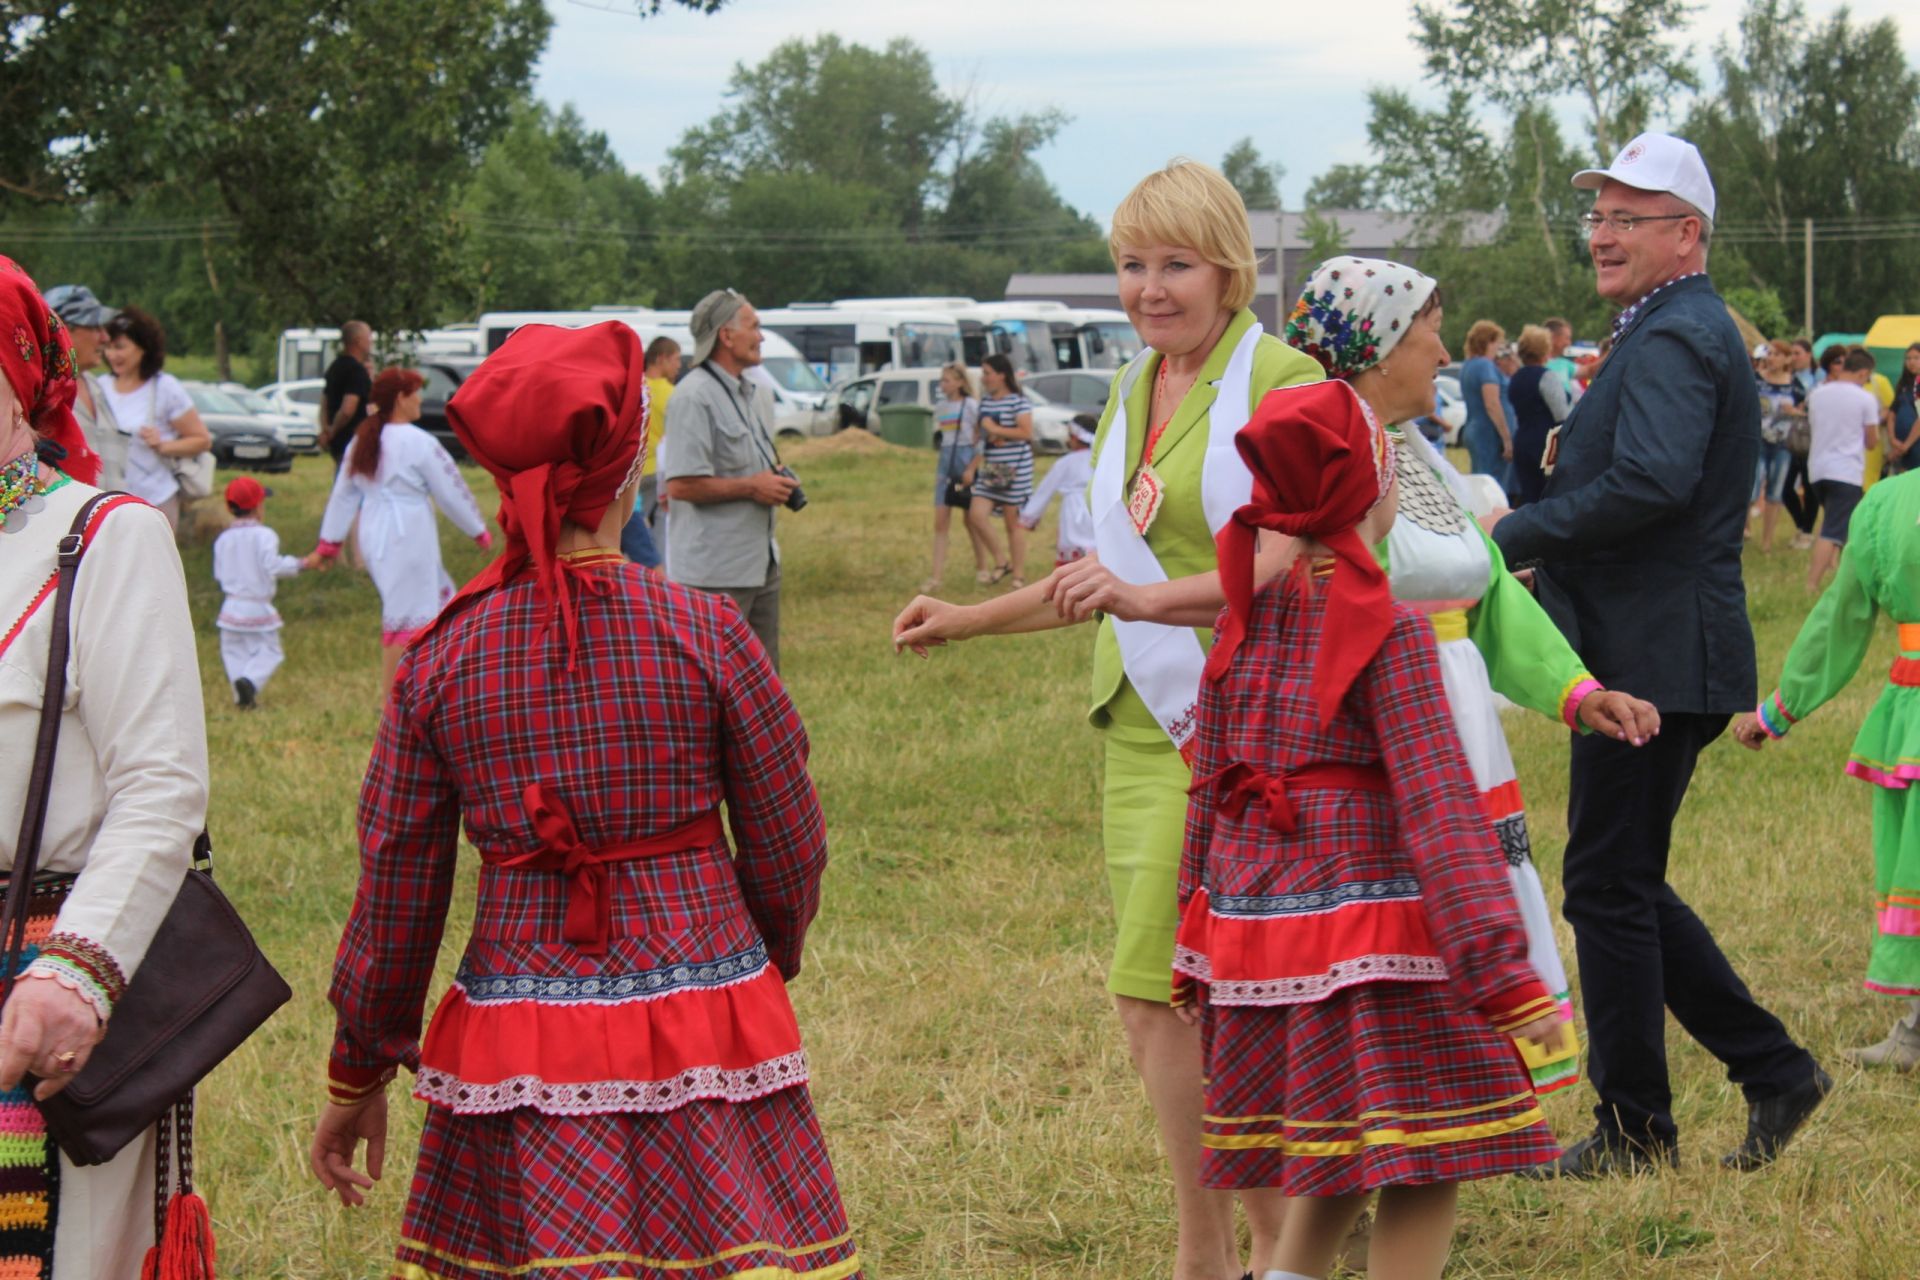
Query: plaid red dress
point(1346, 908)
point(616, 1079)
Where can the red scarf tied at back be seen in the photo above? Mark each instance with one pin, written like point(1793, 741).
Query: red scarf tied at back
point(1320, 462)
point(36, 353)
point(556, 417)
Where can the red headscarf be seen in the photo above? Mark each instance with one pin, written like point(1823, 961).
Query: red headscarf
point(37, 354)
point(1320, 462)
point(555, 415)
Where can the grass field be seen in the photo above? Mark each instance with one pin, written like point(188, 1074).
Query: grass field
point(970, 1074)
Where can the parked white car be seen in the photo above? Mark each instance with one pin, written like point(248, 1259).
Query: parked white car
point(301, 431)
point(299, 398)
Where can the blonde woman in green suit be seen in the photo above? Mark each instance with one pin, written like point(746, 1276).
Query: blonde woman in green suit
point(1166, 476)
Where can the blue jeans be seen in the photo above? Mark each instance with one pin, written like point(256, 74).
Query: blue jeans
point(1770, 472)
point(1482, 439)
point(636, 541)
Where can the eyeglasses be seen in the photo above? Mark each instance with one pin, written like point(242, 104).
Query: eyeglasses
point(1624, 223)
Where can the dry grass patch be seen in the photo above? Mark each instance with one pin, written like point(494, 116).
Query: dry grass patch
point(970, 1073)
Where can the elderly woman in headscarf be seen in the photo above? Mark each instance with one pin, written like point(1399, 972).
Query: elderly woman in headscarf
point(616, 1076)
point(1375, 325)
point(128, 795)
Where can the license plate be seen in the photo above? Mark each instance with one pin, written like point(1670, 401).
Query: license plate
point(252, 451)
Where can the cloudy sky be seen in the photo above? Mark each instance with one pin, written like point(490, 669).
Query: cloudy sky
point(1141, 84)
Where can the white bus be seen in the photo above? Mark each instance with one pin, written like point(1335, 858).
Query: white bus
point(1107, 338)
point(306, 353)
point(845, 341)
point(1037, 335)
point(799, 396)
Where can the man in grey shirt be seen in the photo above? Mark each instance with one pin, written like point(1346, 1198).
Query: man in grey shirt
point(721, 474)
point(86, 317)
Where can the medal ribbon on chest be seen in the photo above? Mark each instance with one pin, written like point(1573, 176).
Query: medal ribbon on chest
point(1148, 491)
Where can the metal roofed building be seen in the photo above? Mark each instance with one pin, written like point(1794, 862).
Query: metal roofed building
point(1369, 233)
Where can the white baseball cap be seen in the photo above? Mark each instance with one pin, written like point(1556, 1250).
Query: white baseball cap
point(1657, 162)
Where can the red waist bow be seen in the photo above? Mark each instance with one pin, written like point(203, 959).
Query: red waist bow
point(589, 911)
point(1239, 784)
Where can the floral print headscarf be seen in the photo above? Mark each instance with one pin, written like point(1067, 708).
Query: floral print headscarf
point(1354, 311)
point(36, 354)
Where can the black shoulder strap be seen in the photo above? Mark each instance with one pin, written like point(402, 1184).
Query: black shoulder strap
point(33, 814)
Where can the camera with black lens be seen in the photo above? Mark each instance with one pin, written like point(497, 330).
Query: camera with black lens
point(798, 498)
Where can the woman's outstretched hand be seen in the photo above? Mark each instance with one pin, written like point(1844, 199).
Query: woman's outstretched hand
point(1620, 716)
point(338, 1137)
point(927, 623)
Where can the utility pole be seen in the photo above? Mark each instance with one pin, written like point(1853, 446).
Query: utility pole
point(1807, 254)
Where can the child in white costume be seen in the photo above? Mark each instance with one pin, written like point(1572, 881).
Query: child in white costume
point(248, 565)
point(1069, 479)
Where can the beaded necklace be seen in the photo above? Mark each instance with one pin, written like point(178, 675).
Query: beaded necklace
point(19, 485)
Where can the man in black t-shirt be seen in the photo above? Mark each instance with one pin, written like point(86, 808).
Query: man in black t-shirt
point(349, 388)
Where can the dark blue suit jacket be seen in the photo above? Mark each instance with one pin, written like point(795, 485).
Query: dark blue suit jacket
point(1640, 526)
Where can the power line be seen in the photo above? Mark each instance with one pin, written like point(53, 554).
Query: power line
point(1852, 228)
point(527, 229)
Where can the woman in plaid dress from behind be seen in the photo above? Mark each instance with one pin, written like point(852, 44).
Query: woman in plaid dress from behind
point(615, 1081)
point(1346, 917)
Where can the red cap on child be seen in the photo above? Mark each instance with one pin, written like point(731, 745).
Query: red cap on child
point(247, 493)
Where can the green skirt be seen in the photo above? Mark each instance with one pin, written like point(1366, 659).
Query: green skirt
point(1143, 822)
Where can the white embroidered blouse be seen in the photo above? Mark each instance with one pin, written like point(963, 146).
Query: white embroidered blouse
point(129, 792)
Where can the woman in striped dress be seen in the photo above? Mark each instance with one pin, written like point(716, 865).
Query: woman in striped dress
point(1003, 471)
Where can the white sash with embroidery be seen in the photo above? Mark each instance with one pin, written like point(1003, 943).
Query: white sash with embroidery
point(1164, 663)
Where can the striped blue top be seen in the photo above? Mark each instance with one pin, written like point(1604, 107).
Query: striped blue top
point(1006, 466)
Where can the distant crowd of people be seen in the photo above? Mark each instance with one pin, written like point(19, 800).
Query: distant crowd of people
point(1831, 425)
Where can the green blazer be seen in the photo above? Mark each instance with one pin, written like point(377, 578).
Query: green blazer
point(1179, 537)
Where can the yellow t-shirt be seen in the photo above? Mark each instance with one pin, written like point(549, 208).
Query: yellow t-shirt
point(1876, 459)
point(659, 391)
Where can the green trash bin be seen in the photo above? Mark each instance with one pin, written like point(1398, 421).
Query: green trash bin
point(907, 424)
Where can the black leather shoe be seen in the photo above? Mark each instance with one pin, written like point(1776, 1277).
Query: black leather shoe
point(243, 693)
point(1772, 1121)
point(1605, 1155)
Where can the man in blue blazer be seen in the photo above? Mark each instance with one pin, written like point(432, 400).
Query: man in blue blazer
point(1637, 537)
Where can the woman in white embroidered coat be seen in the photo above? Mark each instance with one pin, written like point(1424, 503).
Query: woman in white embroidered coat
point(129, 792)
point(394, 476)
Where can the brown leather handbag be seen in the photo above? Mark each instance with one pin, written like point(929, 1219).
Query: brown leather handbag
point(203, 988)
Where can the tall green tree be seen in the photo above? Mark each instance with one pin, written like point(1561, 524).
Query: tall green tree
point(328, 138)
point(1616, 57)
point(840, 169)
point(1485, 172)
point(1344, 186)
point(1252, 175)
point(552, 219)
point(870, 117)
point(1816, 121)
point(1492, 216)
